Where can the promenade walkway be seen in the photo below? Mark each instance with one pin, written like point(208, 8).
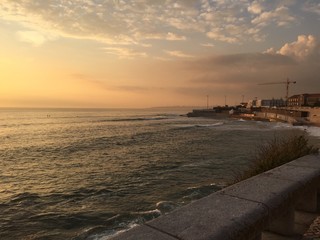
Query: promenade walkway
point(307, 227)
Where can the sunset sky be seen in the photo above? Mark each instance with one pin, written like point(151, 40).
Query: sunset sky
point(144, 53)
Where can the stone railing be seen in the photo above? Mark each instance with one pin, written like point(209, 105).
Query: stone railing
point(242, 211)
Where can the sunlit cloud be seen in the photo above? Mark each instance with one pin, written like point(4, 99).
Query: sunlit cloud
point(280, 16)
point(174, 37)
point(255, 7)
point(301, 49)
point(178, 54)
point(133, 23)
point(32, 37)
point(217, 34)
point(124, 52)
point(160, 36)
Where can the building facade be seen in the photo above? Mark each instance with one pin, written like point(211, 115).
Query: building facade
point(266, 103)
point(304, 100)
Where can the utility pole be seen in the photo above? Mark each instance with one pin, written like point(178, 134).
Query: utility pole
point(207, 101)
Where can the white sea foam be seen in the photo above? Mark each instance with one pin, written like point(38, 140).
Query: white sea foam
point(200, 125)
point(210, 125)
point(312, 131)
point(282, 125)
point(242, 120)
point(110, 234)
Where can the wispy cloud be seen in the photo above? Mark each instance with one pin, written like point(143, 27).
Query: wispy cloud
point(280, 16)
point(175, 37)
point(312, 6)
point(120, 22)
point(178, 54)
point(218, 34)
point(140, 22)
point(32, 37)
point(124, 52)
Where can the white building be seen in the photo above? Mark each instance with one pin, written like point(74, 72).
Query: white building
point(266, 103)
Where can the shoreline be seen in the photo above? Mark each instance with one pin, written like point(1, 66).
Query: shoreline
point(256, 118)
point(296, 117)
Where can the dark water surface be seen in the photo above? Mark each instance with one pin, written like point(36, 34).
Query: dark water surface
point(87, 174)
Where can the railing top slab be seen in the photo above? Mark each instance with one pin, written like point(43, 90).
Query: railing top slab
point(217, 211)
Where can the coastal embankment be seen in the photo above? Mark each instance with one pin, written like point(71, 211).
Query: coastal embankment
point(294, 116)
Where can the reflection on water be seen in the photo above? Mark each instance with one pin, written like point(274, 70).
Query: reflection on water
point(86, 174)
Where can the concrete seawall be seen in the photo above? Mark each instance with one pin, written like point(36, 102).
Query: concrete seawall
point(292, 115)
point(244, 210)
point(279, 117)
point(314, 116)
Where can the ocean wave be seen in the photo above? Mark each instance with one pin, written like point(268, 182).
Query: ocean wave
point(197, 192)
point(166, 206)
point(25, 198)
point(120, 223)
point(105, 235)
point(210, 125)
point(127, 221)
point(312, 131)
point(134, 119)
point(241, 120)
point(281, 125)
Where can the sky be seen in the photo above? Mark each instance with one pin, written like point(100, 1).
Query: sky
point(149, 53)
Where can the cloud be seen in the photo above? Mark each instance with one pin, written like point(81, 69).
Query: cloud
point(132, 22)
point(242, 62)
point(239, 74)
point(255, 7)
point(31, 37)
point(160, 36)
point(302, 49)
point(174, 37)
point(178, 54)
point(280, 16)
point(312, 6)
point(124, 52)
point(217, 34)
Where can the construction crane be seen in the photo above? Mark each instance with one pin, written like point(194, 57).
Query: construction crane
point(288, 82)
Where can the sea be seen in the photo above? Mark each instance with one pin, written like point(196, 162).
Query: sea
point(93, 173)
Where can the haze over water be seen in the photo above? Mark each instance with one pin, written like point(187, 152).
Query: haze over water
point(89, 173)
